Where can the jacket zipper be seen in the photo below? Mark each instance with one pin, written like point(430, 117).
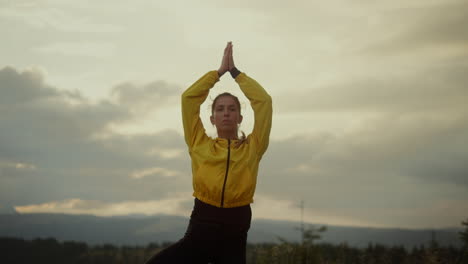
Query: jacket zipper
point(227, 169)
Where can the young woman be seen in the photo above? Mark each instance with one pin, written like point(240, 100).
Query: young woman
point(224, 170)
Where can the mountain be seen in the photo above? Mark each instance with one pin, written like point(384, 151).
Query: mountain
point(6, 209)
point(142, 230)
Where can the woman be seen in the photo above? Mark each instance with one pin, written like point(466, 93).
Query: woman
point(224, 170)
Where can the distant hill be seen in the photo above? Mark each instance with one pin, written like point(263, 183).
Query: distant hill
point(141, 230)
point(6, 209)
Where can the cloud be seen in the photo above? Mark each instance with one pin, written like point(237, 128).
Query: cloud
point(23, 87)
point(91, 49)
point(419, 147)
point(143, 98)
point(435, 89)
point(78, 206)
point(43, 15)
point(265, 207)
point(154, 171)
point(35, 114)
point(16, 169)
point(428, 27)
point(61, 143)
point(269, 207)
point(364, 56)
point(390, 163)
point(167, 153)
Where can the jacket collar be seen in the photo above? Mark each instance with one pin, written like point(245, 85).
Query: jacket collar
point(225, 141)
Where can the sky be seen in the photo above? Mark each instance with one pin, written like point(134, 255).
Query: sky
point(370, 122)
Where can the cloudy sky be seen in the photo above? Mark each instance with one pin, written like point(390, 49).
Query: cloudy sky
point(370, 124)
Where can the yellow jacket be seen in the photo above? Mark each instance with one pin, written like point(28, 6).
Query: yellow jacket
point(225, 176)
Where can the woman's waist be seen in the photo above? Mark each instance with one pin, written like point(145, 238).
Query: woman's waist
point(241, 215)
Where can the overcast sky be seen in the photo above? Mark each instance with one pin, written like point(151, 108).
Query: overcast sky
point(370, 124)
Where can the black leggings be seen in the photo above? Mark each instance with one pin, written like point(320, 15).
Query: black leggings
point(214, 235)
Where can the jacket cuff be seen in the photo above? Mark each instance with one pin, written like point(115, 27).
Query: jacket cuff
point(234, 72)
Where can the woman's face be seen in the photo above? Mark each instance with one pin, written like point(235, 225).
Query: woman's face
point(226, 115)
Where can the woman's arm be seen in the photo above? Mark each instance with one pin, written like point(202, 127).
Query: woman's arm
point(192, 98)
point(261, 104)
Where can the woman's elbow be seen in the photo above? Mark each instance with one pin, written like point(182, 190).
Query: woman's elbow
point(268, 100)
point(185, 97)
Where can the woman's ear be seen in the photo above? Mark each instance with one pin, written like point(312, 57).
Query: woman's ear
point(212, 120)
point(240, 118)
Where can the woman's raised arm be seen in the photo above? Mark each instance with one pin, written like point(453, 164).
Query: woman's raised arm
point(260, 101)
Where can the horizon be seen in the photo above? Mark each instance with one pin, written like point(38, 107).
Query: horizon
point(141, 215)
point(123, 230)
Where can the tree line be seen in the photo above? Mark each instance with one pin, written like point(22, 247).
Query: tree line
point(51, 251)
point(308, 251)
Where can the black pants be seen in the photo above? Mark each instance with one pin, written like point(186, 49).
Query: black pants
point(214, 235)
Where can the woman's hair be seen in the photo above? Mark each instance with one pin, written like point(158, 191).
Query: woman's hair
point(225, 94)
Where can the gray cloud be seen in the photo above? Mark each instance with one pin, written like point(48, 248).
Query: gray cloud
point(366, 56)
point(436, 26)
point(40, 15)
point(142, 98)
point(32, 110)
point(438, 89)
point(412, 155)
point(51, 148)
point(24, 87)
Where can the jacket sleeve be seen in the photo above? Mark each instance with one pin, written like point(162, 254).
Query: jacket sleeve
point(192, 98)
point(261, 103)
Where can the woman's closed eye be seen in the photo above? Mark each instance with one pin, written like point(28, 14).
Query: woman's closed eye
point(230, 109)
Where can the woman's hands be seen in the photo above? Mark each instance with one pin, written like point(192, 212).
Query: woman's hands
point(230, 58)
point(227, 64)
